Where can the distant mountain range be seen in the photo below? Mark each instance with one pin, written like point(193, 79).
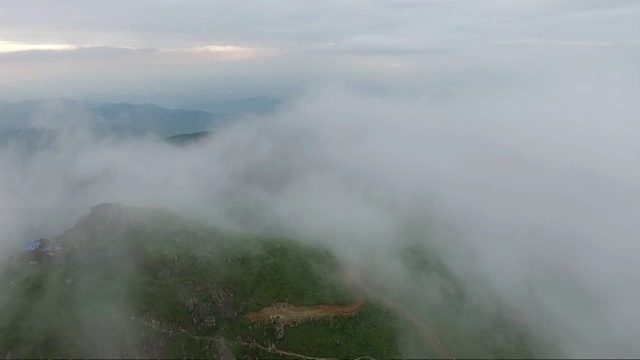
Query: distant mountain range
point(28, 140)
point(29, 124)
point(255, 105)
point(106, 119)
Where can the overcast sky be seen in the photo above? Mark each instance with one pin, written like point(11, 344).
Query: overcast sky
point(50, 47)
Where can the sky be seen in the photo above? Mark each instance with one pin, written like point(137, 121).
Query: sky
point(164, 50)
point(516, 122)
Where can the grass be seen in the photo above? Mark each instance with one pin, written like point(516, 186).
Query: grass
point(369, 334)
point(90, 301)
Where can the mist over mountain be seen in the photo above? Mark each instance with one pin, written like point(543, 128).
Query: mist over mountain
point(255, 105)
point(363, 179)
point(106, 119)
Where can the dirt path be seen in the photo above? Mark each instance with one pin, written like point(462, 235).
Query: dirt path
point(352, 278)
point(272, 349)
point(290, 314)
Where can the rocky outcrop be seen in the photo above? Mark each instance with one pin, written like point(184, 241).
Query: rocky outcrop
point(224, 299)
point(206, 315)
point(278, 327)
point(201, 313)
point(223, 352)
point(191, 304)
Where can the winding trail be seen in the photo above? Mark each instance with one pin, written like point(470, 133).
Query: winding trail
point(352, 278)
point(272, 349)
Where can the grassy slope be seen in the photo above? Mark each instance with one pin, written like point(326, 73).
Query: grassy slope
point(89, 302)
point(93, 300)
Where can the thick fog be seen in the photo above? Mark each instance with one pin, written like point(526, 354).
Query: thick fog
point(530, 187)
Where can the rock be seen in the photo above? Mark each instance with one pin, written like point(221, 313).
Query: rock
point(224, 298)
point(223, 351)
point(205, 314)
point(209, 321)
point(278, 326)
point(191, 303)
point(201, 313)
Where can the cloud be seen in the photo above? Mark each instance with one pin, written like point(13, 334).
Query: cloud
point(71, 53)
point(373, 44)
point(536, 173)
point(9, 47)
point(281, 23)
point(228, 52)
point(538, 42)
point(515, 123)
point(297, 43)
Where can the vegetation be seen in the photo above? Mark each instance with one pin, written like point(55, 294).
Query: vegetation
point(123, 294)
point(141, 283)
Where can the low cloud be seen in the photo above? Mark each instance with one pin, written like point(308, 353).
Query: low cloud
point(534, 185)
point(10, 47)
point(506, 132)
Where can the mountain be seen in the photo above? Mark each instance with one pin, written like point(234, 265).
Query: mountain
point(107, 119)
point(27, 140)
point(22, 114)
point(128, 282)
point(188, 139)
point(251, 105)
point(137, 120)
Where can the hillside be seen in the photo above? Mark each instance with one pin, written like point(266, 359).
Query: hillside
point(128, 282)
point(136, 283)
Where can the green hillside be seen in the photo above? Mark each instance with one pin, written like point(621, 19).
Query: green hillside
point(139, 283)
point(126, 274)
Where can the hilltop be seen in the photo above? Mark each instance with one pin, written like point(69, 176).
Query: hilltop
point(138, 283)
point(132, 282)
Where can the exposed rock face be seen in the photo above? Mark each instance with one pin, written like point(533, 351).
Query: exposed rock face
point(222, 350)
point(201, 313)
point(278, 327)
point(206, 315)
point(191, 303)
point(224, 298)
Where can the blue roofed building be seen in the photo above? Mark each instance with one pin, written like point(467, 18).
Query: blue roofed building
point(35, 250)
point(33, 245)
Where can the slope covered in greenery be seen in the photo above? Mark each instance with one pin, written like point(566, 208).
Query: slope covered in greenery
point(132, 282)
